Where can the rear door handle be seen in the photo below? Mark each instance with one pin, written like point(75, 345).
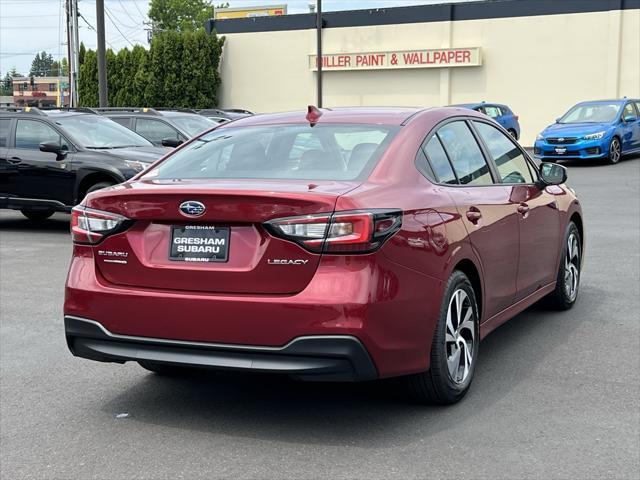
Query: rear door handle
point(523, 208)
point(474, 215)
point(14, 160)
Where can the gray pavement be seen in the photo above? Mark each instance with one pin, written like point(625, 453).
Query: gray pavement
point(556, 395)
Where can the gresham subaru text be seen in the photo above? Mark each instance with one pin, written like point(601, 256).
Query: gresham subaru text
point(354, 244)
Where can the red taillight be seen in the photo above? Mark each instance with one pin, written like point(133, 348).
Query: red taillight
point(360, 231)
point(91, 226)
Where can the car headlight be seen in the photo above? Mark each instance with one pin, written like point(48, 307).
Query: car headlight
point(594, 136)
point(135, 165)
point(539, 137)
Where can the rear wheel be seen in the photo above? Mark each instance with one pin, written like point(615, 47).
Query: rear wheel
point(615, 151)
point(568, 280)
point(454, 349)
point(37, 215)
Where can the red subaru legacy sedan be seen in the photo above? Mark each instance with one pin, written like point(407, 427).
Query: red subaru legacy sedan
point(340, 245)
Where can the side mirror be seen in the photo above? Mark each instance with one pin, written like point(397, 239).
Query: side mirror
point(558, 119)
point(171, 142)
point(551, 174)
point(629, 119)
point(54, 147)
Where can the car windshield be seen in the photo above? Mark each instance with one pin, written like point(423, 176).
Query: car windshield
point(94, 131)
point(592, 113)
point(322, 152)
point(193, 124)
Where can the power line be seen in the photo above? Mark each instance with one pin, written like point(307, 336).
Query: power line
point(93, 28)
point(127, 12)
point(135, 4)
point(106, 11)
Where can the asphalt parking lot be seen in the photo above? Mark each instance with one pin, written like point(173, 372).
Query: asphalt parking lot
point(556, 395)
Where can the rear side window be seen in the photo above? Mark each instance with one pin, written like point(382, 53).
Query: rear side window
point(5, 123)
point(465, 154)
point(492, 111)
point(155, 130)
point(124, 121)
point(439, 161)
point(322, 152)
point(512, 166)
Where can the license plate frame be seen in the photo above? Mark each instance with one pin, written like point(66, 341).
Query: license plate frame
point(210, 244)
point(560, 150)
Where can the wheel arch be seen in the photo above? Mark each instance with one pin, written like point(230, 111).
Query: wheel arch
point(469, 268)
point(91, 178)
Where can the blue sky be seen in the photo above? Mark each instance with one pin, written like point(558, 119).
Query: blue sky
point(30, 26)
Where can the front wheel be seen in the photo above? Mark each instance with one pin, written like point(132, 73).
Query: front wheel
point(568, 280)
point(513, 133)
point(98, 186)
point(615, 151)
point(454, 349)
point(37, 215)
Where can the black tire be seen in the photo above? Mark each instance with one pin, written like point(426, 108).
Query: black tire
point(164, 369)
point(436, 385)
point(615, 151)
point(561, 298)
point(37, 215)
point(513, 133)
point(98, 186)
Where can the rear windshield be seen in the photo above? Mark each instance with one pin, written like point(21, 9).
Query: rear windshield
point(322, 152)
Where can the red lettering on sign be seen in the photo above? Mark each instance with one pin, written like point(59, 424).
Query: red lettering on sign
point(436, 57)
point(450, 56)
point(467, 56)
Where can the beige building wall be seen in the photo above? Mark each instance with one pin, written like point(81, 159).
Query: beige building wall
point(539, 66)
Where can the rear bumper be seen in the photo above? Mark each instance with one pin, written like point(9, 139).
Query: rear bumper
point(314, 358)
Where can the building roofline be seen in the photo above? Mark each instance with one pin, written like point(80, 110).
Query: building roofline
point(472, 10)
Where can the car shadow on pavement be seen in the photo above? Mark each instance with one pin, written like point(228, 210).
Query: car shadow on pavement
point(373, 414)
point(14, 221)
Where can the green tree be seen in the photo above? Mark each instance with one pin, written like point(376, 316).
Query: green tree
point(42, 65)
point(179, 15)
point(180, 69)
point(59, 69)
point(6, 84)
point(88, 80)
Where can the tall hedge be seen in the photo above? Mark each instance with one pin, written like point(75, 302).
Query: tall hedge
point(180, 69)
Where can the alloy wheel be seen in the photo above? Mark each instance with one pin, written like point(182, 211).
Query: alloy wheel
point(572, 267)
point(460, 337)
point(614, 151)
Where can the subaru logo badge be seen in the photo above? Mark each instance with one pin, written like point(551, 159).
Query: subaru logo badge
point(192, 208)
point(561, 139)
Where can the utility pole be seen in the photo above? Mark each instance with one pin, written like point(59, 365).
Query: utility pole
point(68, 12)
point(102, 62)
point(319, 52)
point(76, 54)
point(73, 47)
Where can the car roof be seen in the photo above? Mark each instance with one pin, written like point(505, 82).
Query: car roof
point(612, 100)
point(355, 115)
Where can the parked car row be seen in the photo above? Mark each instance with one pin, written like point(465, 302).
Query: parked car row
point(51, 158)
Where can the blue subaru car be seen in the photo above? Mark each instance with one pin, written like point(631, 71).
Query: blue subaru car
point(498, 112)
point(604, 129)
